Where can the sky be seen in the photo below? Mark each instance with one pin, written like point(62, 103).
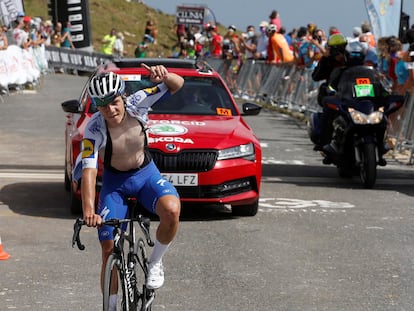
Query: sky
point(343, 14)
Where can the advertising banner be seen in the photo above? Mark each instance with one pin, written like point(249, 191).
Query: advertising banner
point(384, 16)
point(9, 10)
point(77, 13)
point(190, 15)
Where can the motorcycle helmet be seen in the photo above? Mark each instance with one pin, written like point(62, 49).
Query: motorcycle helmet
point(337, 44)
point(337, 40)
point(103, 88)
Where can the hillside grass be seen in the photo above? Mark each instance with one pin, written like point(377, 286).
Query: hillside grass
point(128, 17)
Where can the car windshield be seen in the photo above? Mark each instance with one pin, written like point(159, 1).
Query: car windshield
point(199, 96)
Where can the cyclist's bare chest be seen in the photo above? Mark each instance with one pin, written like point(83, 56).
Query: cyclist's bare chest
point(127, 138)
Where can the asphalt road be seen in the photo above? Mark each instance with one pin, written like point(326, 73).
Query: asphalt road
point(318, 242)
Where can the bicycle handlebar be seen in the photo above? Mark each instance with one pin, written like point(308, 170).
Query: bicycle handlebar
point(144, 224)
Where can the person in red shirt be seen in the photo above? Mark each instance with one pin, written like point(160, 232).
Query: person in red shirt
point(216, 42)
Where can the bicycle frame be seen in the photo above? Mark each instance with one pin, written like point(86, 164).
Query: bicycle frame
point(132, 296)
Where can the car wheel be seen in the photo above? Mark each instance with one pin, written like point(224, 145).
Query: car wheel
point(245, 210)
point(75, 204)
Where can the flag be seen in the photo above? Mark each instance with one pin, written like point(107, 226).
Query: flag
point(384, 16)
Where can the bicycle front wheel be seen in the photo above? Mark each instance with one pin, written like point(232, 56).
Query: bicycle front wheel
point(145, 297)
point(113, 285)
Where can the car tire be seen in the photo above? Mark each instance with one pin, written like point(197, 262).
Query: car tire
point(245, 210)
point(75, 204)
point(67, 181)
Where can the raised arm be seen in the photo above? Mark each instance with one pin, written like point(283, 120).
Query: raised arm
point(159, 74)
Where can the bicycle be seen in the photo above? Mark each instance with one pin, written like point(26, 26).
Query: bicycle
point(121, 267)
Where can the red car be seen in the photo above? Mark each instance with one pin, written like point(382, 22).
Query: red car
point(197, 137)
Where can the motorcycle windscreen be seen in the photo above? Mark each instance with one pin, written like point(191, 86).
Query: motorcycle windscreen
point(359, 83)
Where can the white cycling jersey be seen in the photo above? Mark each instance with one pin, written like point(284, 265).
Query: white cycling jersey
point(95, 135)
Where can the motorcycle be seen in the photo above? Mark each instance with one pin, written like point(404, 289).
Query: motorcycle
point(358, 115)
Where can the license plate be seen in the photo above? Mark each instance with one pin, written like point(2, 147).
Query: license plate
point(182, 179)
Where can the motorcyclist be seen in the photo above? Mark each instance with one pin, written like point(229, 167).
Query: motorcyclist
point(330, 67)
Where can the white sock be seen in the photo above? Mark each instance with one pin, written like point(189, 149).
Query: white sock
point(158, 251)
point(112, 302)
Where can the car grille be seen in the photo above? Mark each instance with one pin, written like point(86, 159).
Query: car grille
point(186, 161)
point(226, 189)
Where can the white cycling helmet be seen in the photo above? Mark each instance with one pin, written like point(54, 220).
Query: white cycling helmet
point(103, 88)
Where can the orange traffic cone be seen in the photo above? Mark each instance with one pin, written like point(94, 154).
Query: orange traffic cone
point(3, 254)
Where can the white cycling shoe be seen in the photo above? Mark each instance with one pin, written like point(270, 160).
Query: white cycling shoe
point(155, 277)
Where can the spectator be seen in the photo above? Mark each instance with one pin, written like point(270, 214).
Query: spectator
point(108, 42)
point(231, 56)
point(119, 45)
point(394, 46)
point(66, 40)
point(216, 42)
point(262, 41)
point(408, 57)
point(371, 57)
point(333, 30)
point(4, 43)
point(383, 55)
point(366, 29)
point(278, 49)
point(56, 38)
point(319, 41)
point(274, 19)
point(20, 36)
point(302, 38)
point(249, 42)
point(141, 49)
point(354, 40)
point(290, 37)
point(47, 31)
point(180, 33)
point(151, 29)
point(311, 29)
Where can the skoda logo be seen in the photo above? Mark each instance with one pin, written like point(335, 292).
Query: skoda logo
point(167, 129)
point(170, 147)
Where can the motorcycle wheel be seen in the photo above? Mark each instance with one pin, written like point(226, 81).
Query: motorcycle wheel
point(368, 166)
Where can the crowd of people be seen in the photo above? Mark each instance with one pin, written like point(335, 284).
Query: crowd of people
point(270, 42)
point(302, 47)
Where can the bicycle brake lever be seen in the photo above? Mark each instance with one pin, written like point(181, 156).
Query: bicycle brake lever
point(76, 230)
point(145, 224)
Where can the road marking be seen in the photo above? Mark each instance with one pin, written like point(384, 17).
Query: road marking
point(335, 180)
point(32, 174)
point(288, 205)
point(272, 160)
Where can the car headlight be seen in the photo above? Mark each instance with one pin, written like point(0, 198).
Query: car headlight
point(241, 151)
point(362, 118)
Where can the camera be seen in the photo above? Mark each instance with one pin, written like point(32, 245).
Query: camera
point(319, 38)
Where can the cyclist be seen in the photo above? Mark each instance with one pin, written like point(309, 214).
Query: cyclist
point(116, 134)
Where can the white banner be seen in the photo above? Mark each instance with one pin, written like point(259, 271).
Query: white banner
point(17, 67)
point(9, 10)
point(384, 17)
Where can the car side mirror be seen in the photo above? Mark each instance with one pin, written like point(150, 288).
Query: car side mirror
point(250, 109)
point(71, 106)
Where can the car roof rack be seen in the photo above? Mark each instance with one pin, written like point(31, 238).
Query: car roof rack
point(167, 62)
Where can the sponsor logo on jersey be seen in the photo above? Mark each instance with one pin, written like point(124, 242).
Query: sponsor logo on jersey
point(151, 90)
point(88, 148)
